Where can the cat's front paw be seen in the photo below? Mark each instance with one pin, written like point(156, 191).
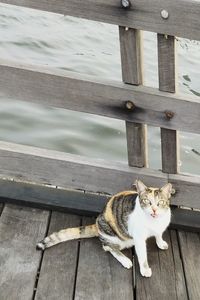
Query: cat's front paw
point(126, 262)
point(162, 245)
point(146, 272)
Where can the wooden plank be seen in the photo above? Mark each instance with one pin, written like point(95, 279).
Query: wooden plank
point(20, 229)
point(100, 276)
point(187, 185)
point(30, 164)
point(27, 164)
point(166, 63)
point(94, 95)
point(170, 150)
point(131, 62)
point(1, 208)
point(58, 271)
point(137, 144)
point(167, 281)
point(185, 219)
point(167, 83)
point(23, 193)
point(189, 245)
point(183, 15)
point(131, 55)
point(88, 204)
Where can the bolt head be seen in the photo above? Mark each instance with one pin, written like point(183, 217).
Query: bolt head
point(125, 3)
point(164, 14)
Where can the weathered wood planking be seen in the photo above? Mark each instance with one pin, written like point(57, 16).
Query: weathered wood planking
point(131, 55)
point(20, 229)
point(131, 62)
point(42, 166)
point(1, 208)
point(35, 165)
point(185, 219)
point(58, 271)
point(87, 204)
point(99, 275)
point(167, 83)
point(183, 17)
point(190, 245)
point(136, 135)
point(167, 281)
point(69, 90)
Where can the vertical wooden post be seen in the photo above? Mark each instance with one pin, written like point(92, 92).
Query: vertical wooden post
point(131, 60)
point(167, 83)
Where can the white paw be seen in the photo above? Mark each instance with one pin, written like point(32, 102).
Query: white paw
point(163, 245)
point(146, 272)
point(126, 262)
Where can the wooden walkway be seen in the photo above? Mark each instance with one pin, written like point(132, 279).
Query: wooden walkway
point(82, 270)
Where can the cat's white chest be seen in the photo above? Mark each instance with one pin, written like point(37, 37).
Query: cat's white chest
point(144, 226)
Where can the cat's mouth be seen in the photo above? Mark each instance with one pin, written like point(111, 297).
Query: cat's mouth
point(154, 215)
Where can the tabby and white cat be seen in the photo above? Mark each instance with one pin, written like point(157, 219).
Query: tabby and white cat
point(129, 218)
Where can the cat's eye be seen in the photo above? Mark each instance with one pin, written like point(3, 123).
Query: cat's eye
point(161, 202)
point(146, 201)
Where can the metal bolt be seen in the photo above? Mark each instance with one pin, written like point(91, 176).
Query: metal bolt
point(169, 115)
point(129, 105)
point(164, 14)
point(125, 3)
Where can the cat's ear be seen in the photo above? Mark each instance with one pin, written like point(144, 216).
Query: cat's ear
point(168, 190)
point(140, 186)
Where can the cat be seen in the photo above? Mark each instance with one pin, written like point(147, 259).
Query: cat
point(128, 219)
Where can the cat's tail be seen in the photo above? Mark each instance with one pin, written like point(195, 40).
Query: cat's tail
point(68, 234)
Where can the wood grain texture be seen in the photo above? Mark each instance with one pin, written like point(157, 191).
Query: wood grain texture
point(167, 273)
point(136, 135)
point(185, 219)
point(34, 165)
point(58, 271)
point(167, 83)
point(70, 171)
point(183, 17)
point(166, 63)
point(131, 55)
point(1, 208)
point(170, 150)
point(190, 245)
point(20, 229)
point(99, 275)
point(131, 62)
point(93, 95)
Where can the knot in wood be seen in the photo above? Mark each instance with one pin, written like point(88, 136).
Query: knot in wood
point(169, 115)
point(125, 3)
point(130, 105)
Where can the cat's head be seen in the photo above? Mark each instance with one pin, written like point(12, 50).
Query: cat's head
point(154, 201)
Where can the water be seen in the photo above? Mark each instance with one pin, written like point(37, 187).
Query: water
point(92, 48)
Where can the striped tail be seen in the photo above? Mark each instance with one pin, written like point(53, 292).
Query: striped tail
point(68, 234)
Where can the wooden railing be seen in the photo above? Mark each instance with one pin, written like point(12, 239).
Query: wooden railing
point(30, 174)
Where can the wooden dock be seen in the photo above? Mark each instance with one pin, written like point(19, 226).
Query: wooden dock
point(50, 180)
point(82, 270)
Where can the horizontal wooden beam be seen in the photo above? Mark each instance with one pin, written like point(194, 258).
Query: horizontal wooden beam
point(34, 165)
point(78, 202)
point(180, 17)
point(92, 95)
point(185, 219)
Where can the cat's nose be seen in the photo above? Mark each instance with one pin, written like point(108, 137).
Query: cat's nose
point(154, 209)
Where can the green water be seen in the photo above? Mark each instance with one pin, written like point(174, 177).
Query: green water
point(92, 48)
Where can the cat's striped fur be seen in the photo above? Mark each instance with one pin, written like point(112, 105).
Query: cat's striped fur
point(128, 219)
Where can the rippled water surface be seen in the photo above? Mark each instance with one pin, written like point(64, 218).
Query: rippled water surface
point(92, 48)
